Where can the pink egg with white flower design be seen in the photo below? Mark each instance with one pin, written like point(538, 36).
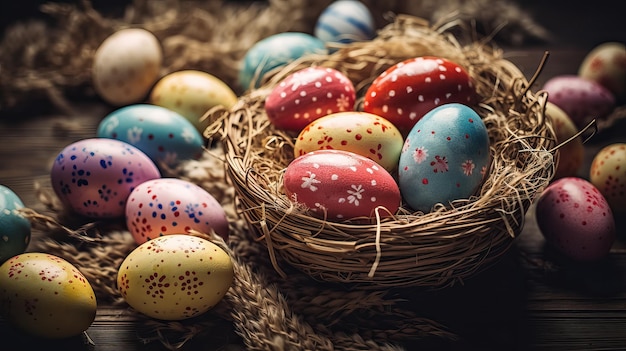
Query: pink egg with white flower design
point(308, 94)
point(173, 206)
point(406, 91)
point(339, 185)
point(576, 219)
point(444, 158)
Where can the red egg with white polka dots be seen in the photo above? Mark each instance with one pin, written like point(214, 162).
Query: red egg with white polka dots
point(307, 95)
point(576, 219)
point(173, 206)
point(340, 185)
point(405, 92)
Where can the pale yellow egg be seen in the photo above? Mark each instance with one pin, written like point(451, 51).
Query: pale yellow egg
point(192, 93)
point(572, 153)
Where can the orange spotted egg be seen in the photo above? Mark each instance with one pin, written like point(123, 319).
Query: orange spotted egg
point(175, 277)
point(46, 296)
point(608, 174)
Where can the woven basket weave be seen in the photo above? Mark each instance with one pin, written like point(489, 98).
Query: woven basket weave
point(435, 249)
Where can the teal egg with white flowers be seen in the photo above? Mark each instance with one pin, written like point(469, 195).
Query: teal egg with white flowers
point(444, 158)
point(273, 52)
point(165, 136)
point(15, 229)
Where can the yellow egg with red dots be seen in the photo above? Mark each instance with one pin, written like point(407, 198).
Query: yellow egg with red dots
point(175, 277)
point(363, 133)
point(46, 296)
point(608, 174)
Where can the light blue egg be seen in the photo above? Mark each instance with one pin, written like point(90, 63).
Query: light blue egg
point(162, 134)
point(444, 158)
point(275, 51)
point(15, 229)
point(345, 21)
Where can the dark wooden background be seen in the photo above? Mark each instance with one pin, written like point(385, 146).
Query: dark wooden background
point(531, 300)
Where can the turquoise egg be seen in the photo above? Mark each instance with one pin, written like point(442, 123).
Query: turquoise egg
point(275, 51)
point(162, 134)
point(444, 158)
point(345, 21)
point(15, 229)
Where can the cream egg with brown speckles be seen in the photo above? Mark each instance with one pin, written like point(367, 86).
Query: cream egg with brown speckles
point(608, 174)
point(175, 277)
point(46, 296)
point(126, 65)
point(192, 93)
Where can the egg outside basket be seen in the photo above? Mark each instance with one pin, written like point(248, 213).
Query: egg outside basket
point(435, 249)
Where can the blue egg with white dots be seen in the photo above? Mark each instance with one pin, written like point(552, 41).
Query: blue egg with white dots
point(164, 135)
point(93, 177)
point(274, 52)
point(345, 21)
point(15, 229)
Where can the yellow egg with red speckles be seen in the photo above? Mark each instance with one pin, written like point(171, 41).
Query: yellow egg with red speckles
point(175, 277)
point(46, 296)
point(608, 174)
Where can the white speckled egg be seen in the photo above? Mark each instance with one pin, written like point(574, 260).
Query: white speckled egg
point(15, 229)
point(93, 177)
point(575, 219)
point(273, 52)
point(345, 21)
point(608, 174)
point(162, 134)
point(572, 154)
point(126, 65)
point(192, 93)
point(444, 158)
point(175, 277)
point(46, 296)
point(606, 64)
point(165, 206)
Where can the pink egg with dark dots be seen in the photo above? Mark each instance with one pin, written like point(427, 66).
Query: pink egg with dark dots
point(93, 177)
point(582, 100)
point(173, 206)
point(576, 219)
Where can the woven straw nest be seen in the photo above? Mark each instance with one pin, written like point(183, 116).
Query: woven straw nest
point(435, 249)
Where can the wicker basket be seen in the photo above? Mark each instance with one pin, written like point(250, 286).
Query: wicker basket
point(435, 249)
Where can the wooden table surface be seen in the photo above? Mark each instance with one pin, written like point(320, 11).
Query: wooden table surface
point(528, 301)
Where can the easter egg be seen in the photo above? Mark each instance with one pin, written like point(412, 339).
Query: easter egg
point(339, 185)
point(571, 154)
point(575, 219)
point(192, 93)
point(345, 21)
point(46, 296)
point(94, 176)
point(15, 229)
point(308, 94)
point(175, 277)
point(606, 64)
point(273, 52)
point(126, 65)
point(608, 174)
point(360, 132)
point(165, 206)
point(164, 135)
point(581, 99)
point(406, 91)
point(444, 158)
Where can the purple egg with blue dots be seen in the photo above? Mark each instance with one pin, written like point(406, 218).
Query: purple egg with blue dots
point(93, 177)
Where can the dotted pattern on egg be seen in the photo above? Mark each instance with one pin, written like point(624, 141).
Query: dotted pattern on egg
point(172, 279)
point(608, 174)
point(95, 176)
point(172, 206)
point(341, 184)
point(421, 84)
